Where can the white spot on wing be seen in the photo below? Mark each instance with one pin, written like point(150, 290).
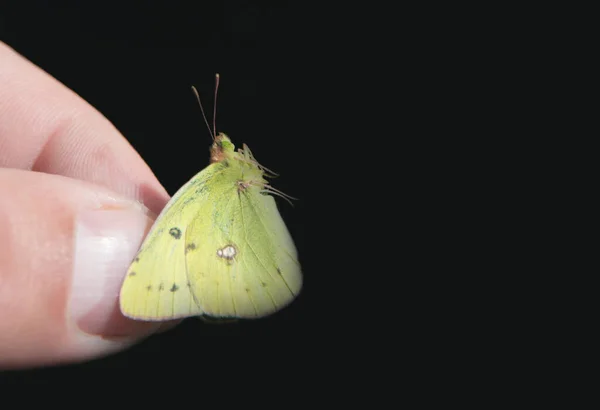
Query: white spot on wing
point(227, 252)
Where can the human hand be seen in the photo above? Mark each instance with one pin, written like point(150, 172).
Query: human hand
point(71, 220)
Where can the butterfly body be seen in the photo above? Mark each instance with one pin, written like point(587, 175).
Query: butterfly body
point(219, 248)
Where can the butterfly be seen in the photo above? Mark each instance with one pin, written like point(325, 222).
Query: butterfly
point(219, 249)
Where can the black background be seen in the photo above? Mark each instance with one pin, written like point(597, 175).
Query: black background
point(136, 64)
point(297, 111)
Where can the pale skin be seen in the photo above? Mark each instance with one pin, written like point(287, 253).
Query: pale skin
point(60, 159)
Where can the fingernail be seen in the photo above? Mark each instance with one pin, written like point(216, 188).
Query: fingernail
point(106, 242)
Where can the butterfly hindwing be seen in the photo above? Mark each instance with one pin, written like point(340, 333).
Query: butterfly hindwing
point(249, 267)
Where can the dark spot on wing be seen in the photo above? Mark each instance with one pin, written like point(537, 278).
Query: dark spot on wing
point(175, 233)
point(174, 288)
point(149, 288)
point(263, 284)
point(161, 287)
point(247, 289)
point(190, 247)
point(190, 199)
point(279, 271)
point(136, 260)
point(131, 273)
point(189, 285)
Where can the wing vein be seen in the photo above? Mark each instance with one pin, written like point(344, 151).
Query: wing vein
point(230, 276)
point(254, 252)
point(267, 231)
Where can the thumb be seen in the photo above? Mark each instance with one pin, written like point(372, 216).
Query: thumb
point(65, 246)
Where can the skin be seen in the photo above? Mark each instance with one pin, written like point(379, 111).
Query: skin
point(61, 162)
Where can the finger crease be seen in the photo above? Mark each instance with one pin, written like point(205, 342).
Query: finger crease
point(60, 128)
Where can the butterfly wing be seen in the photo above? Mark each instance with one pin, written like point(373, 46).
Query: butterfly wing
point(242, 260)
point(219, 248)
point(156, 286)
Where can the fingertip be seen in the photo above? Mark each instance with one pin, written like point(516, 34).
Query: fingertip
point(66, 248)
point(106, 241)
point(166, 326)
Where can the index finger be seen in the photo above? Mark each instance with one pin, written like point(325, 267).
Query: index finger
point(46, 127)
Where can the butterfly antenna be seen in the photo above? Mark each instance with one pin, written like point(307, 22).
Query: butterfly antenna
point(215, 104)
point(202, 109)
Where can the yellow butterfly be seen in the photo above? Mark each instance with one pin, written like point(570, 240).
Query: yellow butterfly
point(219, 248)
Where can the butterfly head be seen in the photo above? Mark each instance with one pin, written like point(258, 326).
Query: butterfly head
point(221, 148)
